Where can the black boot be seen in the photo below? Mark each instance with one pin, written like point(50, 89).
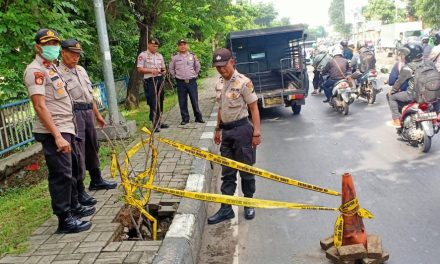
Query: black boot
point(223, 214)
point(98, 183)
point(85, 199)
point(82, 211)
point(249, 213)
point(68, 224)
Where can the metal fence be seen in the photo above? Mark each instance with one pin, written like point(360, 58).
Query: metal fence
point(16, 118)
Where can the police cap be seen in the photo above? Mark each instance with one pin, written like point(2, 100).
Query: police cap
point(221, 57)
point(71, 45)
point(154, 41)
point(45, 35)
point(181, 41)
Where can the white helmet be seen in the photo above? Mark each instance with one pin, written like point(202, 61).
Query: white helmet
point(336, 50)
point(322, 49)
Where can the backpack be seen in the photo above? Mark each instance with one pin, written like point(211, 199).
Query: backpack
point(368, 61)
point(426, 83)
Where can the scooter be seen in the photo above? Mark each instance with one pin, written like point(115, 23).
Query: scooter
point(342, 96)
point(367, 86)
point(419, 123)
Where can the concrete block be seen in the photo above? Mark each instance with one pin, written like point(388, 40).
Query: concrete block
point(174, 250)
point(126, 246)
point(9, 259)
point(352, 252)
point(327, 243)
point(112, 246)
point(332, 254)
point(89, 258)
point(374, 247)
point(133, 257)
point(117, 131)
point(166, 210)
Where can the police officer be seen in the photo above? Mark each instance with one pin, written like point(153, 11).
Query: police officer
point(434, 56)
point(238, 137)
point(54, 127)
point(185, 68)
point(338, 68)
point(80, 90)
point(152, 65)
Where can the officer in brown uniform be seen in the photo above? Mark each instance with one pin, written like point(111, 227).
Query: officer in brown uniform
point(80, 90)
point(185, 68)
point(238, 137)
point(54, 127)
point(152, 65)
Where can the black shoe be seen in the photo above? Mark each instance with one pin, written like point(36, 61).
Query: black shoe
point(83, 211)
point(200, 121)
point(184, 123)
point(85, 199)
point(164, 126)
point(223, 214)
point(102, 185)
point(249, 213)
point(326, 101)
point(70, 224)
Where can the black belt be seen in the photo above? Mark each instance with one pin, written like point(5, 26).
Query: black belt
point(82, 106)
point(234, 124)
point(185, 80)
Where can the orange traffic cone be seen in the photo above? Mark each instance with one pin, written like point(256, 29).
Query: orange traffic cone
point(354, 230)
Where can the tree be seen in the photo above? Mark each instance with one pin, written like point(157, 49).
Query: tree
point(265, 14)
point(383, 10)
point(337, 17)
point(428, 11)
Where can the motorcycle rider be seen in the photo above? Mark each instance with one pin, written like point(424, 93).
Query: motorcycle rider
point(426, 47)
point(319, 62)
point(363, 61)
point(338, 68)
point(435, 52)
point(413, 59)
point(347, 53)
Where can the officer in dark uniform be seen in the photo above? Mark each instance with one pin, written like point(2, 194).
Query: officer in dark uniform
point(185, 68)
point(80, 90)
point(238, 137)
point(152, 65)
point(54, 127)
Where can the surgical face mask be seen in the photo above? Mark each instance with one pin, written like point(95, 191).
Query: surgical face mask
point(50, 52)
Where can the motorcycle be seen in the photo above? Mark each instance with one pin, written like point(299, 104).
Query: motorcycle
point(367, 86)
point(342, 96)
point(419, 123)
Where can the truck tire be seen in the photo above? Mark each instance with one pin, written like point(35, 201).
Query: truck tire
point(296, 109)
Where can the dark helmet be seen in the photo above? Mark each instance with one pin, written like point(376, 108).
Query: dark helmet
point(413, 52)
point(425, 39)
point(437, 38)
point(344, 43)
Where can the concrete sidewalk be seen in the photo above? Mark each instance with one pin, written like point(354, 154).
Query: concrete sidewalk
point(175, 170)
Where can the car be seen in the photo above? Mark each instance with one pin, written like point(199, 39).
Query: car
point(275, 60)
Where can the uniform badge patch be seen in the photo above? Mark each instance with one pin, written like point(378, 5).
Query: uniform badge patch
point(236, 84)
point(51, 72)
point(140, 58)
point(60, 91)
point(250, 86)
point(60, 84)
point(39, 78)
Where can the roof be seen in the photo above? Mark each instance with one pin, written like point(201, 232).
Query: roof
point(266, 31)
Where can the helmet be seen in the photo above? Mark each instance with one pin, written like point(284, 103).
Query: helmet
point(336, 51)
point(437, 38)
point(360, 44)
point(413, 52)
point(425, 39)
point(344, 43)
point(322, 49)
point(351, 43)
point(314, 45)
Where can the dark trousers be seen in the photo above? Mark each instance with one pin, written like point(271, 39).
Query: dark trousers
point(316, 79)
point(397, 99)
point(328, 87)
point(237, 145)
point(88, 147)
point(154, 93)
point(63, 172)
point(183, 90)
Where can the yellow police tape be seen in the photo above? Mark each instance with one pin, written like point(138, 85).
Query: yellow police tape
point(241, 166)
point(349, 208)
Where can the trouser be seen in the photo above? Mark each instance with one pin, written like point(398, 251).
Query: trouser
point(328, 87)
point(183, 90)
point(88, 147)
point(237, 145)
point(63, 172)
point(398, 98)
point(154, 93)
point(316, 79)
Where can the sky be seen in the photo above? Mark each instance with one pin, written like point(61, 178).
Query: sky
point(312, 12)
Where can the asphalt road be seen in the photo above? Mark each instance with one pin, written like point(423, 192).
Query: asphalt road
point(396, 182)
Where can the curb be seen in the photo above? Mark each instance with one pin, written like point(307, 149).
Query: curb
point(183, 239)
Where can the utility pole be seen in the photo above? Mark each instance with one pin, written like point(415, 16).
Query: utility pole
point(107, 62)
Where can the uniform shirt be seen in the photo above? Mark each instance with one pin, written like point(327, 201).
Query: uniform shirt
point(152, 61)
point(432, 57)
point(184, 66)
point(41, 77)
point(78, 83)
point(321, 60)
point(234, 96)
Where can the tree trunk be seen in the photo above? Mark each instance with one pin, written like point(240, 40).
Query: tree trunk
point(132, 100)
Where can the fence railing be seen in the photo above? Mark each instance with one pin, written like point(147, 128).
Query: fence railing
point(16, 119)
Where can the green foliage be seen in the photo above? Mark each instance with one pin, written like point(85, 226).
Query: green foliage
point(337, 17)
point(385, 11)
point(428, 11)
point(316, 32)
